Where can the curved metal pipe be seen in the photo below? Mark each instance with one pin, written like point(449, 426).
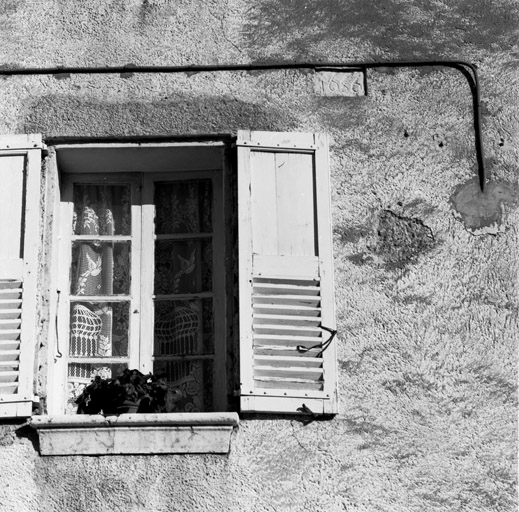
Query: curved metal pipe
point(468, 69)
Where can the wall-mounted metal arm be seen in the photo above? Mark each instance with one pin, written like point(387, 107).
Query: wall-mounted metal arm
point(468, 69)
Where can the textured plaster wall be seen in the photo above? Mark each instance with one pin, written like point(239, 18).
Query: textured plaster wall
point(425, 265)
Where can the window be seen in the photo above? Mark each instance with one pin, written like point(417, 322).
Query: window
point(147, 276)
point(142, 274)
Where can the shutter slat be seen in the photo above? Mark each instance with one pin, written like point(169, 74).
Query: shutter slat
point(8, 355)
point(10, 314)
point(7, 388)
point(260, 329)
point(9, 344)
point(11, 323)
point(10, 289)
point(10, 304)
point(294, 289)
point(10, 334)
point(265, 350)
point(280, 385)
point(8, 375)
point(292, 320)
point(8, 368)
point(289, 340)
point(287, 309)
point(294, 342)
point(288, 372)
point(7, 284)
point(289, 301)
point(288, 361)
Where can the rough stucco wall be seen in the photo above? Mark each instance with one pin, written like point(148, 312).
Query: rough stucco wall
point(426, 295)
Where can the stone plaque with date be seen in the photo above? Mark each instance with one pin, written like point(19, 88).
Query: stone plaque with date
point(344, 83)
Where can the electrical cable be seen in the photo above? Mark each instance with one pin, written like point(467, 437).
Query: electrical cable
point(468, 69)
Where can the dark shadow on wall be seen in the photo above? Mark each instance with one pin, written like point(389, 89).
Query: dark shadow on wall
point(27, 432)
point(62, 115)
point(405, 29)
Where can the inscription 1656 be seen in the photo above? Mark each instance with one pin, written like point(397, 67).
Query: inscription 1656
point(330, 83)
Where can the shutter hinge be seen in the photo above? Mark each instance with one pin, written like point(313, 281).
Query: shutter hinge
point(274, 147)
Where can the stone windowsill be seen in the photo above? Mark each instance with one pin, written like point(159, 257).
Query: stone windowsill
point(135, 433)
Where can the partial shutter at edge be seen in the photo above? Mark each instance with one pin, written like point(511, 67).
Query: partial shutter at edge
point(287, 313)
point(20, 168)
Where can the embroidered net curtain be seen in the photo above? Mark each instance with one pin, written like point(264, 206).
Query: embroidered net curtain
point(101, 230)
point(184, 342)
point(100, 288)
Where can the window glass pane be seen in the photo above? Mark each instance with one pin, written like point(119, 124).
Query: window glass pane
point(81, 374)
point(183, 266)
point(101, 209)
point(184, 327)
point(100, 268)
point(192, 382)
point(99, 329)
point(183, 207)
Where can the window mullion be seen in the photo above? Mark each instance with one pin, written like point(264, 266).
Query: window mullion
point(135, 286)
point(146, 276)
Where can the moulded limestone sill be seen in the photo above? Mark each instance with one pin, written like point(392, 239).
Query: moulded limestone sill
point(135, 433)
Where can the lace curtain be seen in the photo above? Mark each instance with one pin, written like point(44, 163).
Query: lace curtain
point(183, 337)
point(100, 267)
point(183, 265)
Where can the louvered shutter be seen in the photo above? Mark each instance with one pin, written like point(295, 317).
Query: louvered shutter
point(20, 167)
point(286, 284)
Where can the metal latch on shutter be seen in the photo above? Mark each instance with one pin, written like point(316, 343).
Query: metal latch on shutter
point(322, 346)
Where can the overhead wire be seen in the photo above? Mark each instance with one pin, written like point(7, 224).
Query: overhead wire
point(468, 69)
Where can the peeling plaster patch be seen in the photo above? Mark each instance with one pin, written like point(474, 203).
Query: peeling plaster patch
point(7, 435)
point(61, 76)
point(413, 299)
point(351, 233)
point(401, 240)
point(128, 74)
point(9, 7)
point(419, 207)
point(482, 213)
point(10, 65)
point(360, 259)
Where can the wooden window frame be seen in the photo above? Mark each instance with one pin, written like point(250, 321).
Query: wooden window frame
point(135, 164)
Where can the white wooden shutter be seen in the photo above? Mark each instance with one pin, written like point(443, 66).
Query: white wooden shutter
point(20, 167)
point(286, 284)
